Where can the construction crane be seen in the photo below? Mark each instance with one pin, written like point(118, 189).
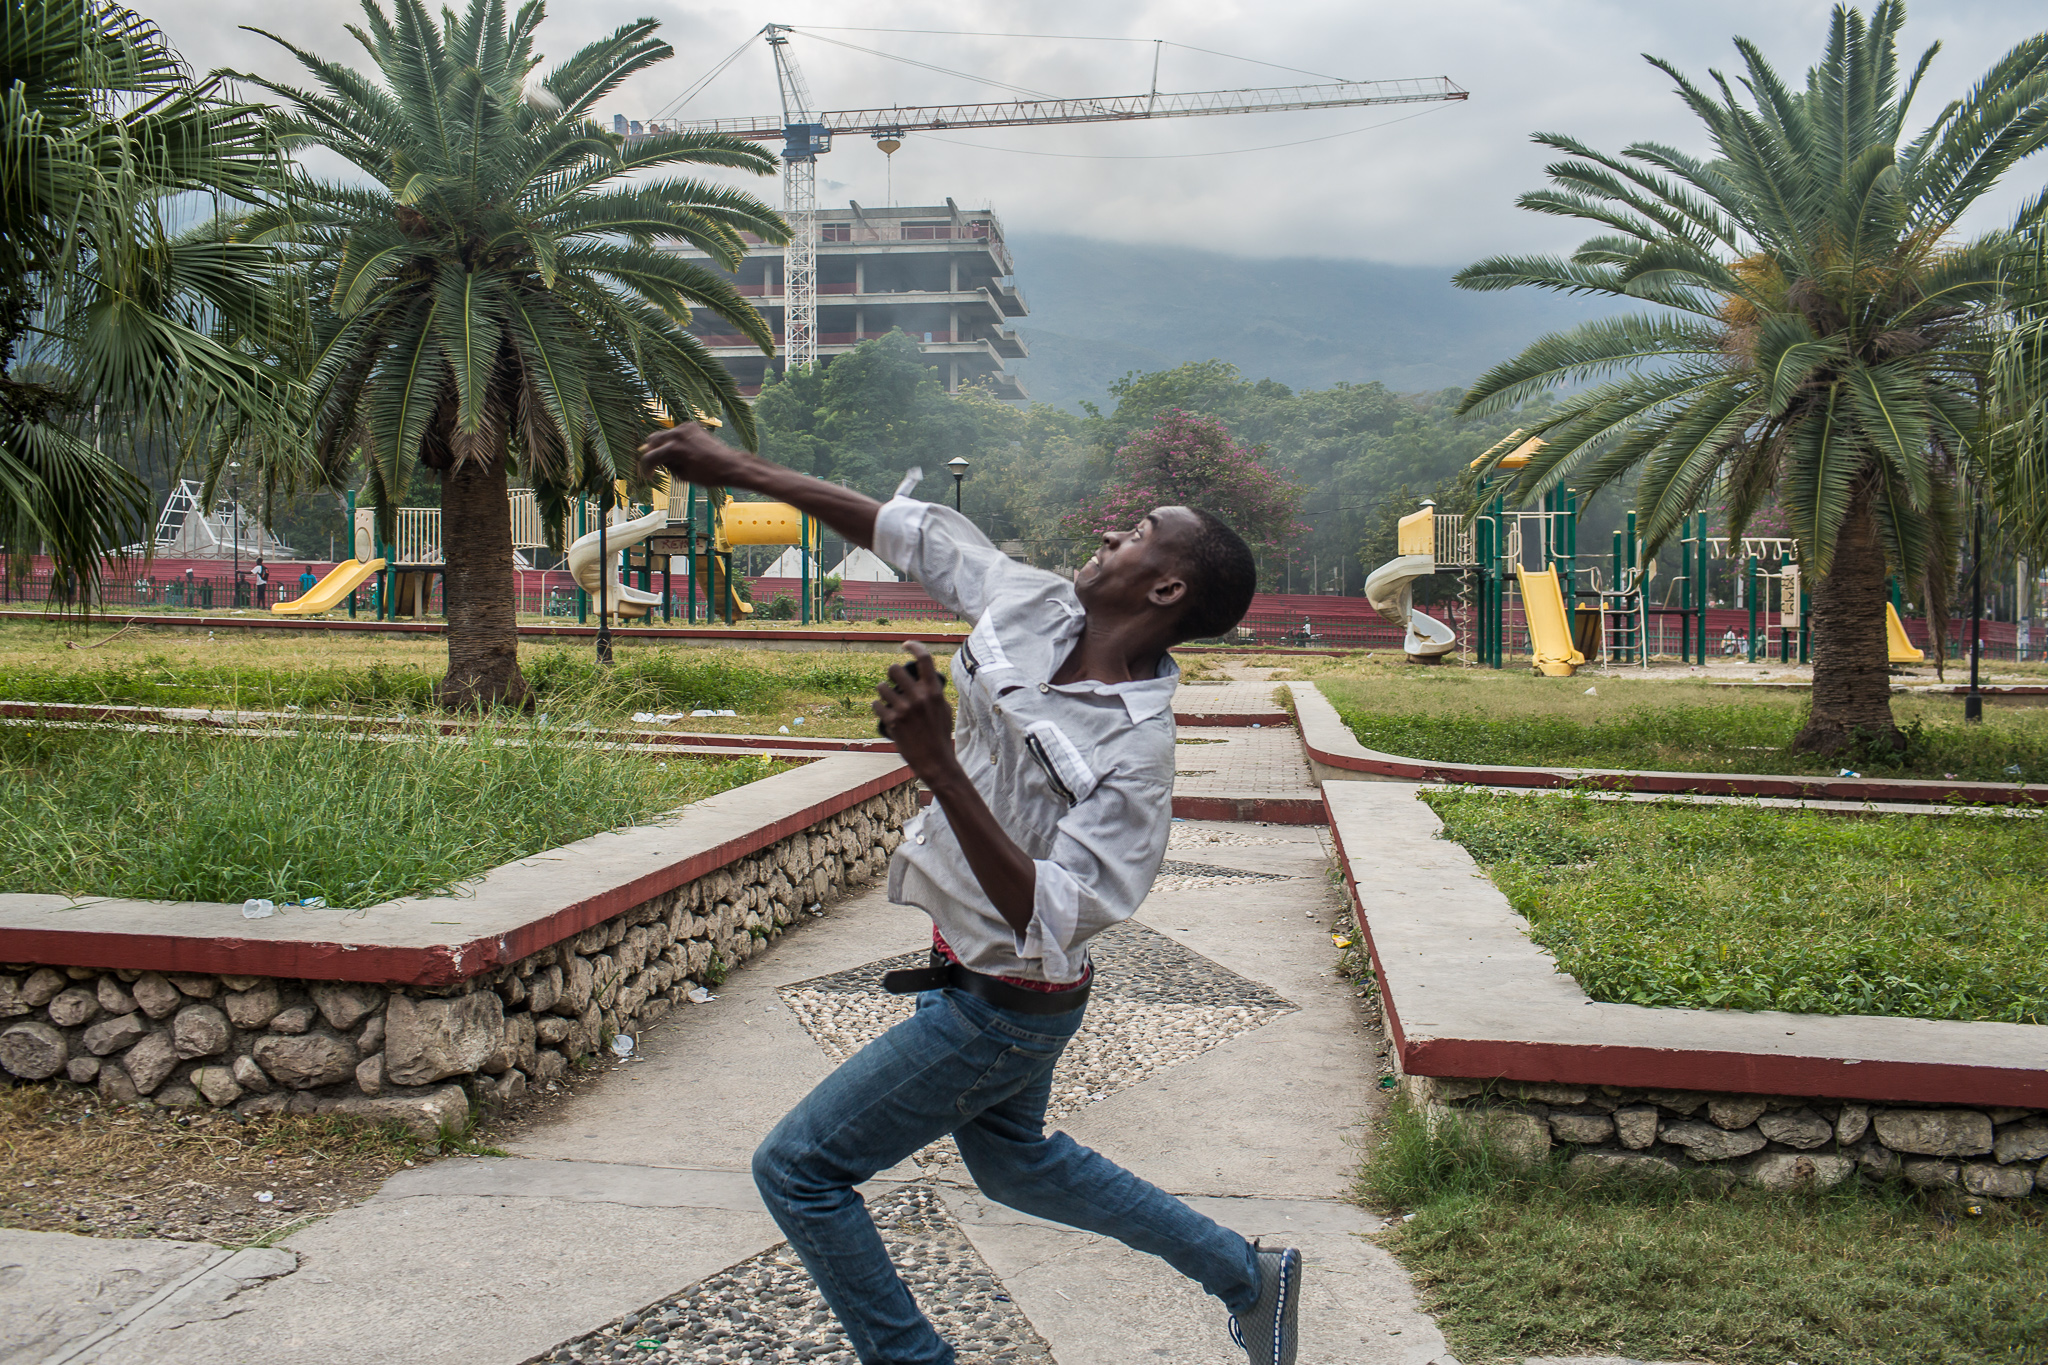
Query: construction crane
point(807, 135)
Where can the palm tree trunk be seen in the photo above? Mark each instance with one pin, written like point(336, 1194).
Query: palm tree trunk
point(1852, 687)
point(478, 588)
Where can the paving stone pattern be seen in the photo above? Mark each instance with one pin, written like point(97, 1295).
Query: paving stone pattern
point(766, 1308)
point(1155, 1004)
point(1267, 761)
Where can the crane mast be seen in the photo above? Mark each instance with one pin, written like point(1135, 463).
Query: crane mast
point(807, 134)
point(802, 139)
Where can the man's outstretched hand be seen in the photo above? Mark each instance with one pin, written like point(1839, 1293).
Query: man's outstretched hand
point(693, 454)
point(914, 712)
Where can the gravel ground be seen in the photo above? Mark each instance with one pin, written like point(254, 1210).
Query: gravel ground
point(766, 1308)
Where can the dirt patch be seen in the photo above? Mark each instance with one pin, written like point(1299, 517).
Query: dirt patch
point(69, 1163)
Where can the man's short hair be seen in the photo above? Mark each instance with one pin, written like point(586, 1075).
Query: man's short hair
point(1222, 575)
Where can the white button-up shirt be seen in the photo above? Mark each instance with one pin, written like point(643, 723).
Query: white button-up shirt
point(1079, 774)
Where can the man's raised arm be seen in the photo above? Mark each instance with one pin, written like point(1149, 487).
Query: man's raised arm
point(692, 453)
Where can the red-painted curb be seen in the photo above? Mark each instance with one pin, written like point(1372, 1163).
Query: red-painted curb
point(1874, 789)
point(1271, 810)
point(1733, 1072)
point(431, 965)
point(1272, 720)
point(1908, 1082)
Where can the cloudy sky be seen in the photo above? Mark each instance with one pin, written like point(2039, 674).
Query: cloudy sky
point(1421, 185)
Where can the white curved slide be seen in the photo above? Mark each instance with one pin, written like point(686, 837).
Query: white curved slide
point(1391, 590)
point(585, 563)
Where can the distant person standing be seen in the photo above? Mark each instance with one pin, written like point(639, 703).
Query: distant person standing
point(306, 580)
point(260, 576)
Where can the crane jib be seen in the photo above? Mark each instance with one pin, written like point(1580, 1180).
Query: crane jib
point(815, 135)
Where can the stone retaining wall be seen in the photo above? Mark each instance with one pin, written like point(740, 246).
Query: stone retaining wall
point(1775, 1141)
point(417, 1054)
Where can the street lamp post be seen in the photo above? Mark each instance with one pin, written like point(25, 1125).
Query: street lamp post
point(604, 580)
point(235, 528)
point(1973, 704)
point(959, 467)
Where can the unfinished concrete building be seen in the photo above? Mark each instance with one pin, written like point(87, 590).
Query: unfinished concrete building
point(939, 272)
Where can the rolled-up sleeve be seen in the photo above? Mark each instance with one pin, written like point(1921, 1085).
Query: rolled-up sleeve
point(946, 553)
point(1104, 856)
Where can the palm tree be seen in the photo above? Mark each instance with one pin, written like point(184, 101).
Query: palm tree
point(115, 329)
point(491, 296)
point(1827, 331)
point(2019, 391)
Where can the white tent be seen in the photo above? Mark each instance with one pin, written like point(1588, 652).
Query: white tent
point(791, 563)
point(865, 566)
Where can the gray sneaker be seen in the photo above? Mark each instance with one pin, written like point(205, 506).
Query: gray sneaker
point(1267, 1329)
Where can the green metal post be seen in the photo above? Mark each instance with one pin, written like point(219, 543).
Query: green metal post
point(803, 568)
point(1704, 553)
point(1749, 594)
point(1633, 561)
point(351, 548)
point(582, 597)
point(1570, 529)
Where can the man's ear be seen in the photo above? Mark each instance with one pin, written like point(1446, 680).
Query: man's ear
point(1167, 592)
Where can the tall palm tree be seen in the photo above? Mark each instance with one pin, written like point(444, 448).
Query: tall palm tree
point(490, 293)
point(114, 328)
point(1827, 331)
point(2019, 391)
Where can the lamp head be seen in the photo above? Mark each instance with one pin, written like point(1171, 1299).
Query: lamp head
point(959, 467)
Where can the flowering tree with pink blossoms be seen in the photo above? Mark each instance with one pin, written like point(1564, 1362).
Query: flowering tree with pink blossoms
point(1195, 462)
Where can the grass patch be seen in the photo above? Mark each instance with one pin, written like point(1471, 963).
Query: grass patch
point(1535, 1262)
point(185, 816)
point(398, 676)
point(1477, 716)
point(1749, 907)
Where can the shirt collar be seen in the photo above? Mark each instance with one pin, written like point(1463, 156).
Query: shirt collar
point(1143, 698)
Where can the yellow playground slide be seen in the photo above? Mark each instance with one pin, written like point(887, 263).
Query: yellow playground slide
point(343, 579)
point(1901, 645)
point(1550, 632)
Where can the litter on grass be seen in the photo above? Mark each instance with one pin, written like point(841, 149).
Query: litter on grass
point(258, 909)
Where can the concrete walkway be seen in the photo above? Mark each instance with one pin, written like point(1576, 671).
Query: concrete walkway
point(1222, 1059)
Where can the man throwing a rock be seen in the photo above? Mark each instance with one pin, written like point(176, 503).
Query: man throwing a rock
point(1053, 799)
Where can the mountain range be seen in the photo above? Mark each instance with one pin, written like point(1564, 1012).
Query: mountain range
point(1100, 309)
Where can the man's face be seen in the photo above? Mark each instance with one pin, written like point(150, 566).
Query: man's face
point(1141, 567)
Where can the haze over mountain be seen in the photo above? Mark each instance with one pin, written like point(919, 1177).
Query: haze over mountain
point(1100, 309)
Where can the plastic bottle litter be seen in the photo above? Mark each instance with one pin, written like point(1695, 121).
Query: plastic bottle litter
point(1848, 772)
point(622, 1045)
point(258, 909)
point(699, 996)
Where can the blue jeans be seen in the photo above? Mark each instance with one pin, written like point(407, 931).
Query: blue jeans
point(959, 1065)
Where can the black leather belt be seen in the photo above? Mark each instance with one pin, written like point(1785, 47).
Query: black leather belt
point(944, 973)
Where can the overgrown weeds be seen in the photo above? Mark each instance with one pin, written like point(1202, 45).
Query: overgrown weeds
point(1520, 1261)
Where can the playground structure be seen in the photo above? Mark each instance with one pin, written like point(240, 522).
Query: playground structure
point(613, 556)
point(1529, 559)
point(187, 529)
point(1391, 589)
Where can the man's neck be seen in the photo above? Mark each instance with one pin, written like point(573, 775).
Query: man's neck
point(1113, 651)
